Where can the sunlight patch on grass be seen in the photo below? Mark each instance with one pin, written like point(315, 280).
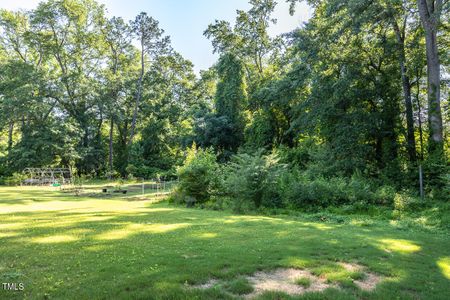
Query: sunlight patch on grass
point(9, 226)
point(8, 234)
point(230, 221)
point(54, 239)
point(401, 246)
point(132, 229)
point(283, 233)
point(296, 262)
point(320, 226)
point(65, 221)
point(207, 235)
point(60, 221)
point(444, 265)
point(251, 218)
point(163, 228)
point(96, 218)
point(96, 248)
point(121, 233)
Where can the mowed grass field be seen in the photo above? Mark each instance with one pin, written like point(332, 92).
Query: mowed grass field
point(62, 246)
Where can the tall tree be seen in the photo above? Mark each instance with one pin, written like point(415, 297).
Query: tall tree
point(118, 37)
point(352, 96)
point(261, 56)
point(70, 33)
point(152, 44)
point(249, 39)
point(430, 13)
point(168, 87)
point(22, 77)
point(398, 18)
point(231, 97)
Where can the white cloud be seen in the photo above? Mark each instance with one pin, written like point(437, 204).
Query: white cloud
point(286, 22)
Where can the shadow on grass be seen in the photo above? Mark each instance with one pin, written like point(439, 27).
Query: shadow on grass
point(131, 250)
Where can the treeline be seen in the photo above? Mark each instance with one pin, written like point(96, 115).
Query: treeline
point(361, 88)
point(76, 91)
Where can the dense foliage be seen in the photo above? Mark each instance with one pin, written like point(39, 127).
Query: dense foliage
point(251, 181)
point(198, 176)
point(349, 101)
point(262, 181)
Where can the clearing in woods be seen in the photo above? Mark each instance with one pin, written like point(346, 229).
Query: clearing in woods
point(63, 246)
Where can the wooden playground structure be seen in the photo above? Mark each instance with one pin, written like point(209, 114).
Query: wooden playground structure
point(47, 176)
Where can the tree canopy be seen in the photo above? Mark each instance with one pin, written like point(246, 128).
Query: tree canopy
point(361, 87)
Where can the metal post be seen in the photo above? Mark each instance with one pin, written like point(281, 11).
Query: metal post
point(421, 181)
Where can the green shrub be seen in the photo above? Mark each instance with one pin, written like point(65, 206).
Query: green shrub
point(436, 172)
point(197, 176)
point(385, 195)
point(15, 179)
point(251, 181)
point(298, 156)
point(111, 175)
point(301, 191)
point(260, 181)
point(443, 192)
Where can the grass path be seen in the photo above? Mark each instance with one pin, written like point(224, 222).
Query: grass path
point(66, 247)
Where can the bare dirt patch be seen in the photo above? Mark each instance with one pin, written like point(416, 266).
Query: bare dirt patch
point(351, 266)
point(209, 284)
point(370, 280)
point(369, 283)
point(283, 280)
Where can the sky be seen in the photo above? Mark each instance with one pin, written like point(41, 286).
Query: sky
point(186, 20)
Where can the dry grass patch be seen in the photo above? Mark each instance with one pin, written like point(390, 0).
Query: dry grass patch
point(207, 285)
point(368, 282)
point(296, 282)
point(285, 280)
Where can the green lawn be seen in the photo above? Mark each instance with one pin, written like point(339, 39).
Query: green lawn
point(66, 247)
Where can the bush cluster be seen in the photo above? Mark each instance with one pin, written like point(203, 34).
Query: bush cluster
point(251, 181)
point(14, 179)
point(258, 180)
point(302, 191)
point(197, 176)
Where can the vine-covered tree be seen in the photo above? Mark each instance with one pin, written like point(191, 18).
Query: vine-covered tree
point(231, 98)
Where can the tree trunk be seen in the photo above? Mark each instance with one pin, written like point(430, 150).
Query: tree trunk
point(409, 115)
point(434, 103)
point(400, 34)
point(406, 83)
point(10, 136)
point(419, 108)
point(138, 95)
point(429, 15)
point(115, 96)
point(111, 131)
